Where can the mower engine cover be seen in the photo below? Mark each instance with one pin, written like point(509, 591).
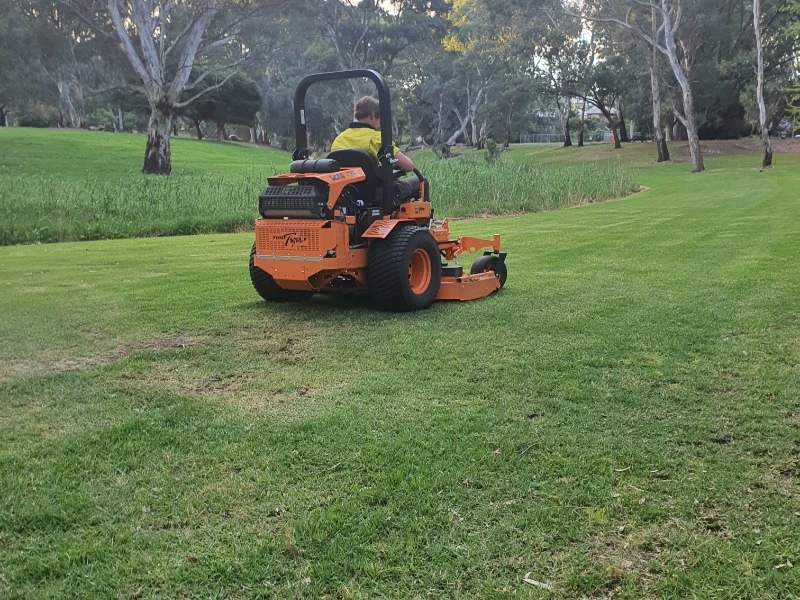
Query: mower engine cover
point(302, 201)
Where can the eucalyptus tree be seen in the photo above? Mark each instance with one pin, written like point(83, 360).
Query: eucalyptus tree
point(776, 61)
point(162, 41)
point(55, 57)
point(374, 34)
point(635, 84)
point(562, 60)
point(606, 87)
point(659, 24)
point(762, 107)
point(541, 41)
point(488, 50)
point(18, 81)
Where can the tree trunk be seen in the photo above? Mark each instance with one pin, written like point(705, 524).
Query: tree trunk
point(567, 138)
point(615, 133)
point(69, 115)
point(623, 129)
point(157, 160)
point(462, 130)
point(439, 130)
point(565, 123)
point(197, 128)
point(222, 132)
point(3, 116)
point(694, 147)
point(482, 136)
point(762, 108)
point(582, 124)
point(686, 90)
point(679, 131)
point(655, 91)
point(661, 146)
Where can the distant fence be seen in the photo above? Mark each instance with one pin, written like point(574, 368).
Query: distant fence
point(541, 138)
point(557, 138)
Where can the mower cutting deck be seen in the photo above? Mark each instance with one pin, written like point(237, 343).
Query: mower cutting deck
point(330, 225)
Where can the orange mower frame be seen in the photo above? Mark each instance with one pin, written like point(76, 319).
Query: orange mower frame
point(331, 225)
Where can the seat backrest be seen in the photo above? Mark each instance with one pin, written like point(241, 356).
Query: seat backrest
point(369, 189)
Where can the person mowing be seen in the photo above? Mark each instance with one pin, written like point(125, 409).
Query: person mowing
point(364, 134)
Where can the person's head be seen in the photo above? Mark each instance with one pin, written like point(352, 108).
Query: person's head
point(368, 110)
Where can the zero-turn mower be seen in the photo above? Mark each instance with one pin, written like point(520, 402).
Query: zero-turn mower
point(331, 225)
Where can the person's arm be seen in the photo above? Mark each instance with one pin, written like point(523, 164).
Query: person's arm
point(403, 162)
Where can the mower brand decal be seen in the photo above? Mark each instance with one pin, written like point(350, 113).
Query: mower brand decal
point(302, 116)
point(290, 239)
point(335, 176)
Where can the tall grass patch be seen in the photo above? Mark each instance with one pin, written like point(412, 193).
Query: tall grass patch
point(60, 186)
point(51, 209)
point(468, 186)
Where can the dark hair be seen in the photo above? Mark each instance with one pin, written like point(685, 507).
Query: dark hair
point(367, 107)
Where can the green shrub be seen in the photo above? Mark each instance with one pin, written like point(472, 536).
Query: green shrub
point(493, 151)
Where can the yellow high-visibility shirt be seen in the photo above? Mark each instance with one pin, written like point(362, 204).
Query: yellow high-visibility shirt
point(361, 136)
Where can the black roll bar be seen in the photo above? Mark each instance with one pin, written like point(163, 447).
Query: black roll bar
point(386, 153)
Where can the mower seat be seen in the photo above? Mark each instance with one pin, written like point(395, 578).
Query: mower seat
point(353, 157)
point(322, 165)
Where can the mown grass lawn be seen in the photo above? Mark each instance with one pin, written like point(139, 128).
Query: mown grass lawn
point(623, 418)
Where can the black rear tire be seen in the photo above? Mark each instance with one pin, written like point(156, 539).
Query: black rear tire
point(405, 269)
point(270, 291)
point(490, 262)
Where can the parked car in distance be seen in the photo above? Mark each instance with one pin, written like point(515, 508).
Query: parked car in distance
point(640, 137)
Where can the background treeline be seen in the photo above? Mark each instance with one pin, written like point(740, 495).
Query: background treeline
point(461, 71)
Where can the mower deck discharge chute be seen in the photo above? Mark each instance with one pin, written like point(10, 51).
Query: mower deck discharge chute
point(330, 225)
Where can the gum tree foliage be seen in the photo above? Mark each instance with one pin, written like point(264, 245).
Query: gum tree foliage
point(478, 76)
point(384, 36)
point(19, 83)
point(235, 102)
point(54, 58)
point(562, 64)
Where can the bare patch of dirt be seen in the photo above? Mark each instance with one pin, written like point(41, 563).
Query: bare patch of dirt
point(719, 147)
point(182, 377)
point(280, 402)
point(624, 553)
point(637, 552)
point(293, 347)
point(789, 145)
point(49, 361)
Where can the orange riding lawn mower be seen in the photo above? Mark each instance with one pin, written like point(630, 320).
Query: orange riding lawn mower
point(331, 225)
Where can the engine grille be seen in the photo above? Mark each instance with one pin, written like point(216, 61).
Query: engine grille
point(293, 201)
point(287, 239)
